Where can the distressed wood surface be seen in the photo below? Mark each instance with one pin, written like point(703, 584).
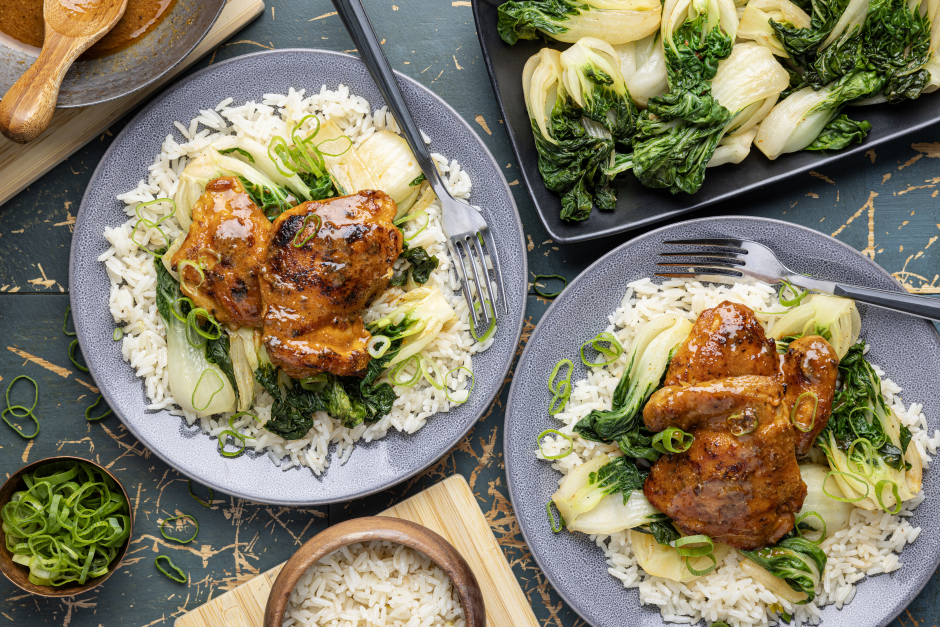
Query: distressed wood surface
point(883, 203)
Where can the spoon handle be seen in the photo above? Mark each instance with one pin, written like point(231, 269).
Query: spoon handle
point(27, 107)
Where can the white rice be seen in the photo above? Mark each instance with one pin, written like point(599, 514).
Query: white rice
point(380, 584)
point(868, 547)
point(132, 299)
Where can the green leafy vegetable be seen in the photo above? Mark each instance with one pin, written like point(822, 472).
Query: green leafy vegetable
point(796, 561)
point(421, 265)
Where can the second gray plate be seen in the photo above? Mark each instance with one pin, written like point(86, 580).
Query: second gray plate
point(374, 466)
point(907, 348)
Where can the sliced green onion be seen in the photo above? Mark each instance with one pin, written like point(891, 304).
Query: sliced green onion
point(240, 151)
point(72, 348)
point(174, 538)
point(798, 295)
point(561, 390)
point(567, 452)
point(535, 287)
point(279, 153)
point(432, 378)
point(849, 476)
point(199, 500)
point(65, 323)
point(150, 224)
point(701, 573)
point(742, 423)
point(613, 352)
point(427, 221)
point(556, 526)
point(181, 576)
point(803, 516)
point(192, 321)
point(338, 154)
point(178, 311)
point(418, 180)
point(879, 488)
point(468, 390)
point(694, 546)
point(393, 375)
point(378, 345)
point(672, 440)
point(118, 334)
point(796, 405)
point(303, 227)
point(240, 438)
point(180, 268)
point(862, 460)
point(489, 331)
point(35, 395)
point(18, 430)
point(89, 409)
point(199, 383)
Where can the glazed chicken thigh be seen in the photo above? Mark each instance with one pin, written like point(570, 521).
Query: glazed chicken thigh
point(326, 261)
point(225, 247)
point(739, 482)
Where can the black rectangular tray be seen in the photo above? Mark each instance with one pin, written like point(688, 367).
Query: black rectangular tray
point(639, 206)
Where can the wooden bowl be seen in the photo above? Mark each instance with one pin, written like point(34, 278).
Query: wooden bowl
point(19, 574)
point(403, 532)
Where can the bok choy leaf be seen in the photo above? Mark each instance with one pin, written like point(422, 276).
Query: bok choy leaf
point(614, 21)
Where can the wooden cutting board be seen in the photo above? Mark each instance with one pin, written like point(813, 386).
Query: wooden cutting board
point(73, 128)
point(450, 509)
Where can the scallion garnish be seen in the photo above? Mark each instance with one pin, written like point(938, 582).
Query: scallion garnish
point(89, 409)
point(378, 345)
point(199, 383)
point(555, 526)
point(850, 476)
point(612, 352)
point(742, 423)
point(468, 390)
point(558, 277)
point(174, 538)
point(393, 374)
point(567, 452)
point(239, 437)
point(150, 224)
point(701, 573)
point(879, 488)
point(72, 348)
point(798, 295)
point(181, 578)
point(118, 334)
point(68, 525)
point(672, 440)
point(27, 411)
point(560, 390)
point(303, 227)
point(199, 500)
point(65, 323)
point(796, 405)
point(489, 331)
point(694, 546)
point(799, 531)
point(181, 269)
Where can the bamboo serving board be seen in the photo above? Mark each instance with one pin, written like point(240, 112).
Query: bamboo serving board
point(71, 129)
point(450, 509)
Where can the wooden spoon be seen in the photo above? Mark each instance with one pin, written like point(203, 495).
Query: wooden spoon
point(72, 26)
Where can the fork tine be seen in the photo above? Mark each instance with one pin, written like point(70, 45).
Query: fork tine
point(710, 278)
point(494, 258)
point(701, 253)
point(724, 243)
point(462, 276)
point(703, 266)
point(478, 246)
point(480, 284)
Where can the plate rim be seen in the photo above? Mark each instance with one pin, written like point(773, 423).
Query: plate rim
point(533, 341)
point(515, 140)
point(82, 331)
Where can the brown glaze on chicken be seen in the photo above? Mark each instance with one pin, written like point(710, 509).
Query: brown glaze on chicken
point(326, 261)
point(740, 490)
point(739, 482)
point(725, 342)
point(810, 365)
point(228, 240)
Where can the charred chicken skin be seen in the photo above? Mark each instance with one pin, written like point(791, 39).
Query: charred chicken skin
point(739, 482)
point(225, 248)
point(326, 261)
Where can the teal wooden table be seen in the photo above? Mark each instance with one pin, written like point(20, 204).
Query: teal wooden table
point(883, 203)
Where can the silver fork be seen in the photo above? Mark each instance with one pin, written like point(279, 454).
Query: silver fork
point(731, 259)
point(466, 230)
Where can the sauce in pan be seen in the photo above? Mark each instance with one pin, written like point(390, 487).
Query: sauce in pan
point(22, 20)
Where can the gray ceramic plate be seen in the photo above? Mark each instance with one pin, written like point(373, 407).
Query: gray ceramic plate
point(372, 467)
point(907, 348)
point(99, 80)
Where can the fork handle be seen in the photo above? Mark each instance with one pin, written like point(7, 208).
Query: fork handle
point(360, 29)
point(921, 306)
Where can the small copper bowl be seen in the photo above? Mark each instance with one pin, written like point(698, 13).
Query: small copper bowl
point(19, 574)
point(361, 530)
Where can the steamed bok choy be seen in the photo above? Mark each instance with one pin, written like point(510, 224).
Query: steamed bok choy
point(572, 149)
point(199, 380)
point(393, 168)
point(270, 164)
point(697, 34)
point(679, 133)
point(345, 166)
point(665, 560)
point(759, 18)
point(429, 310)
point(868, 448)
point(643, 65)
point(614, 21)
point(589, 485)
point(652, 349)
point(836, 319)
point(792, 569)
point(825, 509)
